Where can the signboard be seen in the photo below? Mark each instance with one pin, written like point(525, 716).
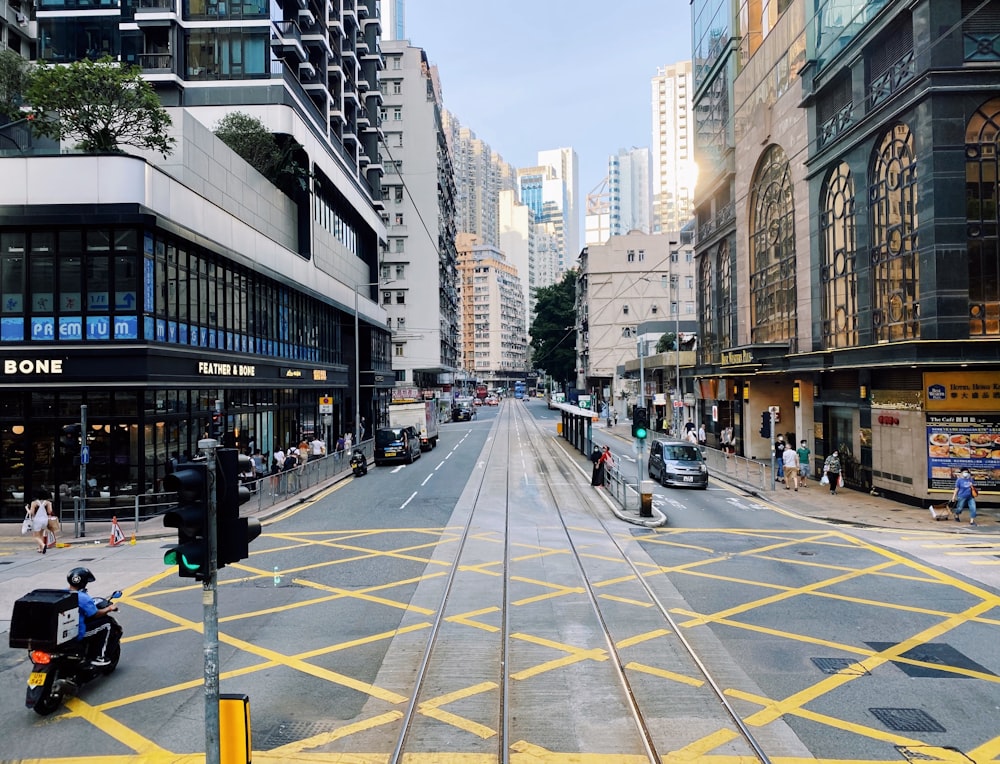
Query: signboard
point(325, 404)
point(955, 443)
point(84, 454)
point(962, 391)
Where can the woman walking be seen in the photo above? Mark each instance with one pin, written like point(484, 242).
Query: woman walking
point(831, 468)
point(39, 512)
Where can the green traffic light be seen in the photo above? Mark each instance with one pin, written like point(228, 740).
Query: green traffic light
point(174, 557)
point(640, 433)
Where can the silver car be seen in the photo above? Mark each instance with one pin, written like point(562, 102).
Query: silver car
point(677, 463)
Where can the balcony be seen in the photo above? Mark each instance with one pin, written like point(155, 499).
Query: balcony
point(286, 40)
point(156, 63)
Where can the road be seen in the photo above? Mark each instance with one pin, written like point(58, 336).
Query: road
point(832, 643)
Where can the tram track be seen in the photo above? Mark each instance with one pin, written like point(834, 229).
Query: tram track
point(484, 689)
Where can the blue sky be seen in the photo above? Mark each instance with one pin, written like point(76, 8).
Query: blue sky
point(530, 75)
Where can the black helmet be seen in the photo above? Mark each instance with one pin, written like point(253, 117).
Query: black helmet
point(79, 578)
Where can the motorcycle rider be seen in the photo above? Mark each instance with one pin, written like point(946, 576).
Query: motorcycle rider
point(94, 621)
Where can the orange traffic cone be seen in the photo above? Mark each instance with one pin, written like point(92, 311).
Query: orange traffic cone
point(117, 537)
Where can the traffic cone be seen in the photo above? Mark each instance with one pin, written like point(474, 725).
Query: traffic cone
point(117, 537)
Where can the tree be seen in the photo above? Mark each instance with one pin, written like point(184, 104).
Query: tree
point(274, 159)
point(14, 74)
point(666, 342)
point(553, 332)
point(102, 104)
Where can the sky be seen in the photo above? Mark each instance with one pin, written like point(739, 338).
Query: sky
point(531, 75)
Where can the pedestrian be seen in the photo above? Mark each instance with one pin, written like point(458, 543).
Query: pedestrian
point(595, 459)
point(791, 459)
point(317, 449)
point(605, 463)
point(363, 433)
point(779, 457)
point(804, 454)
point(691, 436)
point(964, 496)
point(277, 464)
point(724, 437)
point(38, 511)
point(689, 427)
point(831, 470)
point(614, 417)
point(702, 438)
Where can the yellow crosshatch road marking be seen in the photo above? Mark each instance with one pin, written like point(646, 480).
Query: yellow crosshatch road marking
point(434, 709)
point(467, 619)
point(671, 675)
point(638, 639)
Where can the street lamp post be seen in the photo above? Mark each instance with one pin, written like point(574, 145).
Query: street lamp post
point(677, 352)
point(357, 363)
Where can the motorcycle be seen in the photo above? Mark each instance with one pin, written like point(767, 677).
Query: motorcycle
point(58, 674)
point(359, 464)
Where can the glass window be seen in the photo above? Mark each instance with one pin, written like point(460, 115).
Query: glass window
point(12, 264)
point(42, 272)
point(892, 196)
point(98, 279)
point(126, 283)
point(838, 273)
point(982, 174)
point(772, 251)
point(71, 283)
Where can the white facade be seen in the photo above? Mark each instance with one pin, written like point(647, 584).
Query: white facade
point(418, 274)
point(551, 190)
point(674, 170)
point(630, 192)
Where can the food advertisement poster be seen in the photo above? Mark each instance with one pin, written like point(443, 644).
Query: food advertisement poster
point(955, 443)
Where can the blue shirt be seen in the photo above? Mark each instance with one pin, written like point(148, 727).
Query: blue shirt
point(964, 487)
point(88, 609)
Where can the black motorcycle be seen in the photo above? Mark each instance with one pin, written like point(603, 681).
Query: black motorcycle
point(359, 463)
point(59, 674)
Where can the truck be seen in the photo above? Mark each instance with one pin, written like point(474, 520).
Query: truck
point(421, 416)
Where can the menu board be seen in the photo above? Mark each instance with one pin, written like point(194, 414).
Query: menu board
point(955, 443)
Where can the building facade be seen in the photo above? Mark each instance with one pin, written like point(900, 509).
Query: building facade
point(674, 166)
point(631, 292)
point(494, 340)
point(848, 260)
point(154, 295)
point(630, 192)
point(419, 289)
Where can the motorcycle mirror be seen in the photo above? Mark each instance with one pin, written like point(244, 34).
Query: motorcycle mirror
point(116, 595)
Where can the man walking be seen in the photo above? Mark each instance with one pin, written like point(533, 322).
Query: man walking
point(791, 459)
point(804, 454)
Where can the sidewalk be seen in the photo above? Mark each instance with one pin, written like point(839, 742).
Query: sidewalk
point(849, 507)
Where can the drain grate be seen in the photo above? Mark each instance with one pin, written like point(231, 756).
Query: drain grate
point(937, 654)
point(284, 733)
point(838, 666)
point(907, 719)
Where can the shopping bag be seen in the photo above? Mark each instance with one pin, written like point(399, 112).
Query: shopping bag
point(824, 480)
point(26, 526)
point(840, 481)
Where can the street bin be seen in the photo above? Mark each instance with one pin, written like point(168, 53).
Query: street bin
point(646, 499)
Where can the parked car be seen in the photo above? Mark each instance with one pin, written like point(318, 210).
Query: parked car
point(396, 444)
point(677, 463)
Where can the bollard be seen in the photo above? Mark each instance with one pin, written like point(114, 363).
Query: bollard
point(646, 499)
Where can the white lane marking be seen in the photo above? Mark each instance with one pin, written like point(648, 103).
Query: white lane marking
point(426, 479)
point(398, 468)
point(403, 505)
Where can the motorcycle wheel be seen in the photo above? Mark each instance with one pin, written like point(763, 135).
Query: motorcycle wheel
point(114, 655)
point(46, 704)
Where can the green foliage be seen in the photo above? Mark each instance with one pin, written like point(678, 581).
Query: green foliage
point(101, 104)
point(14, 74)
point(553, 332)
point(271, 157)
point(666, 342)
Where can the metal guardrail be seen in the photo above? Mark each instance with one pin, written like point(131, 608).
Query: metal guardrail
point(265, 492)
point(750, 472)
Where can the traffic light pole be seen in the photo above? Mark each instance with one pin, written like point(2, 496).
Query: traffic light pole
point(210, 612)
point(83, 471)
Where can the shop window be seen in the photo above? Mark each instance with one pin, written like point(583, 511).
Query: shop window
point(983, 219)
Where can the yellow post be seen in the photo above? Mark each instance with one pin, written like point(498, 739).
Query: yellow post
point(558, 428)
point(234, 729)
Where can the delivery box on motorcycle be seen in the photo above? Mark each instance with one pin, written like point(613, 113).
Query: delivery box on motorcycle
point(44, 619)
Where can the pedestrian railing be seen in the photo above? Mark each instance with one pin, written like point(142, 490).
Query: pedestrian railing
point(621, 488)
point(750, 472)
point(265, 492)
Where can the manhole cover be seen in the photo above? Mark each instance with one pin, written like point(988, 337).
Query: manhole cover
point(291, 732)
point(837, 666)
point(907, 719)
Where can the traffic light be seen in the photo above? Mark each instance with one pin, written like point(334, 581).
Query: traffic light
point(234, 532)
point(190, 517)
point(765, 424)
point(640, 422)
point(216, 426)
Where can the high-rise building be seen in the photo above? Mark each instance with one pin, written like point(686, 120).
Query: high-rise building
point(18, 29)
point(494, 343)
point(155, 291)
point(848, 251)
point(550, 189)
point(674, 169)
point(393, 19)
point(630, 192)
point(419, 288)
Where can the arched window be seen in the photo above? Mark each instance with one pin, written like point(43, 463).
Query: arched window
point(981, 176)
point(726, 295)
point(892, 199)
point(838, 245)
point(772, 250)
point(708, 331)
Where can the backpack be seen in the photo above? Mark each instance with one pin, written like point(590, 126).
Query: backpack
point(291, 462)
